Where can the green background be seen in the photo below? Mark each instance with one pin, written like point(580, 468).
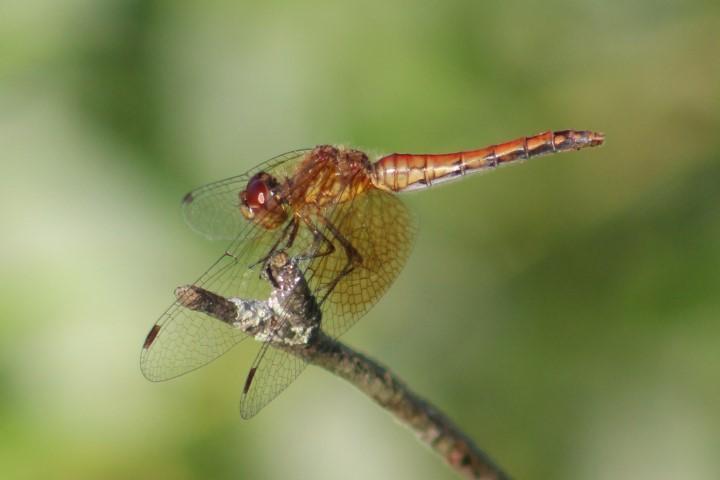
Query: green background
point(564, 313)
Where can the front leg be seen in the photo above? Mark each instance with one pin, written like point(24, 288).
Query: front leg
point(290, 232)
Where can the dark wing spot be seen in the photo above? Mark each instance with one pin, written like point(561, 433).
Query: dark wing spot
point(188, 198)
point(151, 336)
point(248, 381)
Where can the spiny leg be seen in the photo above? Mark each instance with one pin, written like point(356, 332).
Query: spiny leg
point(353, 257)
point(319, 239)
point(290, 231)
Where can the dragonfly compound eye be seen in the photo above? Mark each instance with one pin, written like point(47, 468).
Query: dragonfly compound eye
point(259, 202)
point(257, 193)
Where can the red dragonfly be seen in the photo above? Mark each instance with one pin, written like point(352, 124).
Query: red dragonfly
point(337, 214)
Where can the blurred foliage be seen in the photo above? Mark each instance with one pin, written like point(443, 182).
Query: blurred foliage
point(564, 312)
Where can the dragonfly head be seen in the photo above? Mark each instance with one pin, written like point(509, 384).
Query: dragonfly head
point(260, 203)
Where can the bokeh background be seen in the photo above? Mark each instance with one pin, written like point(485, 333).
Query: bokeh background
point(564, 312)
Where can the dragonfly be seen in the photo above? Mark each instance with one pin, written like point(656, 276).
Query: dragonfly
point(338, 216)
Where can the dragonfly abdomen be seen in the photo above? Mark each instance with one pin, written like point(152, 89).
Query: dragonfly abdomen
point(401, 172)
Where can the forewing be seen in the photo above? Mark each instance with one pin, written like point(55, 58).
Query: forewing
point(182, 339)
point(213, 209)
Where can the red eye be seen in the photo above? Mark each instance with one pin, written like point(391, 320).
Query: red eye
point(257, 193)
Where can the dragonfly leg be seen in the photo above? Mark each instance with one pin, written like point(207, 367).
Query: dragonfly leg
point(290, 232)
point(353, 257)
point(320, 241)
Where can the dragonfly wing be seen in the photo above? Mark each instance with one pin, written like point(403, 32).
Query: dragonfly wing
point(182, 339)
point(382, 230)
point(271, 373)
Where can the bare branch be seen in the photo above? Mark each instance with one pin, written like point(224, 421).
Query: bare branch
point(301, 337)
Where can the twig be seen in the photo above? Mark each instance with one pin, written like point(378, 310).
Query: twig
point(383, 386)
